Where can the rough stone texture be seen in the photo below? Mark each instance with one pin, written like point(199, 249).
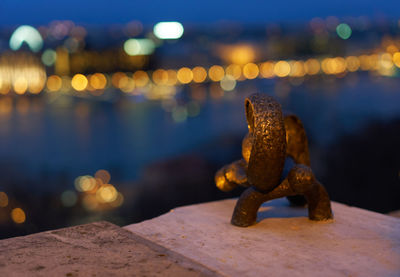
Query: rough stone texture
point(284, 242)
point(97, 249)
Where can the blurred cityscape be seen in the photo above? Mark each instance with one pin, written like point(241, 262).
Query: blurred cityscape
point(124, 122)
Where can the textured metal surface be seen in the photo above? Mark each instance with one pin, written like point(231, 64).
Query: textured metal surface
point(275, 164)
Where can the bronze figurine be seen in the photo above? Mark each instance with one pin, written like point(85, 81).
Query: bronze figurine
point(275, 164)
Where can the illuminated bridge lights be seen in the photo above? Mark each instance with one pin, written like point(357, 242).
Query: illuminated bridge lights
point(146, 82)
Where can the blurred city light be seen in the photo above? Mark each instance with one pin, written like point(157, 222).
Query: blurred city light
point(21, 72)
point(282, 69)
point(343, 30)
point(168, 30)
point(228, 83)
point(49, 57)
point(27, 34)
point(79, 82)
point(216, 73)
point(18, 215)
point(135, 47)
point(250, 71)
point(69, 198)
point(54, 83)
point(185, 75)
point(3, 199)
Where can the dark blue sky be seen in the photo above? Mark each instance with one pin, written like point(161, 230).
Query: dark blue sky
point(205, 11)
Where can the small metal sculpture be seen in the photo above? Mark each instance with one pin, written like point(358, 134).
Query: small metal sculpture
point(275, 164)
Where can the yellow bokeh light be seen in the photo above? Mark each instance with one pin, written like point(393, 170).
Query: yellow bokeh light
point(98, 81)
point(4, 87)
point(104, 175)
point(20, 85)
point(326, 66)
point(79, 82)
point(352, 63)
point(386, 61)
point(54, 83)
point(116, 77)
point(267, 70)
point(339, 65)
point(216, 73)
point(199, 74)
point(106, 194)
point(298, 69)
point(234, 70)
point(365, 63)
point(3, 199)
point(87, 183)
point(121, 81)
point(126, 84)
point(312, 66)
point(250, 71)
point(118, 201)
point(392, 49)
point(185, 75)
point(396, 59)
point(172, 77)
point(333, 65)
point(35, 88)
point(18, 215)
point(160, 77)
point(242, 54)
point(141, 78)
point(282, 69)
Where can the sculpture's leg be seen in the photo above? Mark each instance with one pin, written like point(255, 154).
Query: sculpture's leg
point(319, 204)
point(245, 213)
point(302, 181)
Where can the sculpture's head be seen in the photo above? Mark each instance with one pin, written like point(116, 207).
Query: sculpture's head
point(264, 148)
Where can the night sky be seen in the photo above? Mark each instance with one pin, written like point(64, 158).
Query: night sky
point(205, 11)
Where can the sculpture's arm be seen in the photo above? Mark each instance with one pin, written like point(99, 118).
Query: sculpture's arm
point(232, 175)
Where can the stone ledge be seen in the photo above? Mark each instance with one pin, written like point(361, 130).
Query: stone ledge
point(97, 249)
point(284, 242)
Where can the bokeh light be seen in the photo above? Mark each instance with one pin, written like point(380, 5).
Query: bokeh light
point(282, 69)
point(228, 83)
point(98, 81)
point(134, 47)
point(49, 57)
point(343, 30)
point(168, 30)
point(234, 70)
point(106, 194)
point(267, 70)
point(103, 175)
point(3, 199)
point(18, 215)
point(26, 34)
point(185, 75)
point(199, 74)
point(54, 83)
point(250, 71)
point(216, 73)
point(141, 78)
point(69, 198)
point(79, 82)
point(312, 66)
